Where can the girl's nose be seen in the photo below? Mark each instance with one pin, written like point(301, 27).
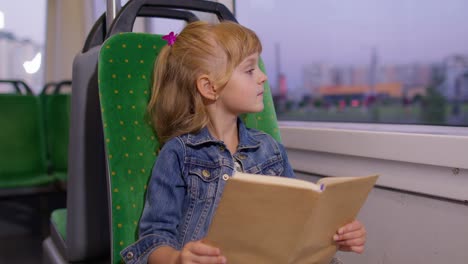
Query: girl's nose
point(262, 78)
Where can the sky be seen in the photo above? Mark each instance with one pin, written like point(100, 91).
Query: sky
point(344, 31)
point(321, 31)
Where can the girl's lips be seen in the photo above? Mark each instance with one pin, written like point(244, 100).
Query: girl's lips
point(261, 93)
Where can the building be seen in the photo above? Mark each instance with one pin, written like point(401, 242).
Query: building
point(455, 82)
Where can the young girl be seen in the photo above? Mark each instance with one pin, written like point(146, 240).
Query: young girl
point(205, 78)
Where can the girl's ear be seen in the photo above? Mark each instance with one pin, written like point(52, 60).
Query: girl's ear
point(206, 87)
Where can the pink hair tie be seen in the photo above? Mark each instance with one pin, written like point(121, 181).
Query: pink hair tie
point(170, 38)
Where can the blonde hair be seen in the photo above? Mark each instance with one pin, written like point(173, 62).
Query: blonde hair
point(176, 107)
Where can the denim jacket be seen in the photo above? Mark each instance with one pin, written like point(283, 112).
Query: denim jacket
point(187, 182)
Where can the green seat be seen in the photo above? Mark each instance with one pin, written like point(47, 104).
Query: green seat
point(23, 152)
point(57, 124)
point(59, 220)
point(125, 73)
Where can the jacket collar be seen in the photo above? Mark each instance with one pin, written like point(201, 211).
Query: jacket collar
point(246, 140)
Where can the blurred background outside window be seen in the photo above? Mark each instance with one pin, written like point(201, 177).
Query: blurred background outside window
point(22, 42)
point(385, 61)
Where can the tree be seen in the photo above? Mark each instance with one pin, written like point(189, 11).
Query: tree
point(434, 105)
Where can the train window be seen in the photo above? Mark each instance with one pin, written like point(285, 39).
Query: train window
point(164, 26)
point(387, 61)
point(22, 42)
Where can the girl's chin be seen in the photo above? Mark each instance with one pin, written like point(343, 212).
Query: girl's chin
point(253, 111)
point(259, 109)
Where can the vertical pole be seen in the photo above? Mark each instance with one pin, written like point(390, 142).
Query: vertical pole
point(113, 7)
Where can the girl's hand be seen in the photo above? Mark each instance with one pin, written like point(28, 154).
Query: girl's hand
point(351, 237)
point(200, 253)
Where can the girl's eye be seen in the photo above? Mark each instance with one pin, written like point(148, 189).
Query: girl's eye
point(250, 71)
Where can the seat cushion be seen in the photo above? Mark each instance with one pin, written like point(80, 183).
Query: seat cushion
point(58, 218)
point(25, 180)
point(60, 175)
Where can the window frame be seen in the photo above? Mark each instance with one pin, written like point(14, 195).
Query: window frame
point(429, 160)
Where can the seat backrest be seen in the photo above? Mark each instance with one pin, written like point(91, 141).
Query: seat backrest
point(87, 228)
point(87, 217)
point(125, 75)
point(57, 123)
point(22, 140)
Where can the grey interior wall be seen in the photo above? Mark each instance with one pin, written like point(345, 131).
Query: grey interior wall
point(409, 228)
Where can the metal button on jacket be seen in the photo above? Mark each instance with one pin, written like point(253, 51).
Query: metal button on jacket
point(206, 173)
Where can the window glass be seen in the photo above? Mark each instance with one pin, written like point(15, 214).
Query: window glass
point(163, 26)
point(22, 43)
point(385, 61)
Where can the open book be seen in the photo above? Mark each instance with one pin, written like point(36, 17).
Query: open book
point(277, 220)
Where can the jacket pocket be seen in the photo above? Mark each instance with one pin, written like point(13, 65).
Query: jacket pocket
point(273, 167)
point(203, 181)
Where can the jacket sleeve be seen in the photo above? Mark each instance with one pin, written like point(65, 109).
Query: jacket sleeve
point(288, 171)
point(163, 206)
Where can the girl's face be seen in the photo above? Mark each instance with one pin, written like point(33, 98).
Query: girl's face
point(244, 91)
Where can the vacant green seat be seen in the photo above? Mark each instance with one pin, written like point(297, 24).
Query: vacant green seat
point(125, 73)
point(59, 219)
point(23, 152)
point(57, 124)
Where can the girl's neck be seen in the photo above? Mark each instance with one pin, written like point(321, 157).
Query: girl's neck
point(225, 130)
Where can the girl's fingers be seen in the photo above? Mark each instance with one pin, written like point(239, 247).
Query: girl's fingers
point(353, 226)
point(209, 259)
point(352, 242)
point(356, 249)
point(360, 233)
point(201, 249)
point(200, 253)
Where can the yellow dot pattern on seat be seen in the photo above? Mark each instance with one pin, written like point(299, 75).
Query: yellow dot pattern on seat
point(124, 65)
point(125, 74)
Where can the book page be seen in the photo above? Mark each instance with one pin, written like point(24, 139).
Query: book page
point(258, 222)
point(334, 180)
point(275, 180)
point(275, 220)
point(338, 205)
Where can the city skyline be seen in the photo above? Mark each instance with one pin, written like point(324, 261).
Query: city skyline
point(326, 31)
